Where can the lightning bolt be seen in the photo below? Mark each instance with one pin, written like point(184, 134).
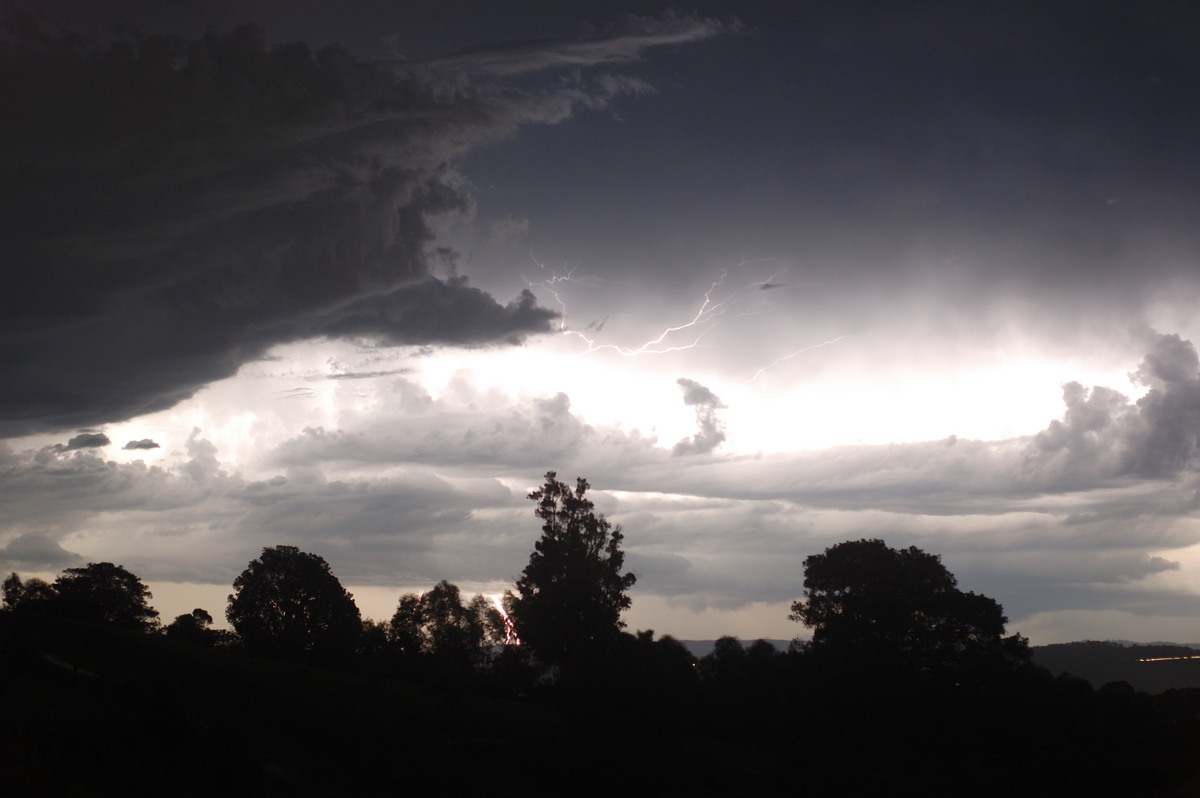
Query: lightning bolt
point(510, 631)
point(708, 315)
point(777, 361)
point(711, 312)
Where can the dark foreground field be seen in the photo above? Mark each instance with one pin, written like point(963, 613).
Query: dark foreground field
point(89, 711)
point(92, 711)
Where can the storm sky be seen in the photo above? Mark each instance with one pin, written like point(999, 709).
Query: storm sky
point(353, 276)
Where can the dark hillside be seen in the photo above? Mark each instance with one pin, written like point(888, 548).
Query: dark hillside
point(93, 711)
point(1170, 666)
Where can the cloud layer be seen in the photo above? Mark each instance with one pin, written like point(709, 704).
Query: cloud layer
point(1084, 515)
point(711, 432)
point(178, 207)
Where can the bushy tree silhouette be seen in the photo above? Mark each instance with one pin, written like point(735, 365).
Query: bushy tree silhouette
point(438, 623)
point(192, 627)
point(571, 594)
point(100, 593)
point(288, 603)
point(30, 595)
point(899, 608)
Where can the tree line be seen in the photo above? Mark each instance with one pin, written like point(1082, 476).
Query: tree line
point(865, 602)
point(288, 603)
point(907, 681)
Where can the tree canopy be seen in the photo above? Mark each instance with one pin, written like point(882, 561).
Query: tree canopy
point(30, 595)
point(897, 607)
point(437, 622)
point(100, 592)
point(289, 603)
point(192, 627)
point(571, 594)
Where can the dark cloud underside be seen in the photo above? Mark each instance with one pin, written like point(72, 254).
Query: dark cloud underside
point(37, 552)
point(711, 430)
point(88, 440)
point(173, 208)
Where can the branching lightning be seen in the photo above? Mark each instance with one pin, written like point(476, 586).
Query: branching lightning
point(777, 361)
point(712, 311)
point(510, 630)
point(707, 316)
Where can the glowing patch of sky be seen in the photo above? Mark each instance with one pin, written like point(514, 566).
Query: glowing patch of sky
point(272, 400)
point(1005, 400)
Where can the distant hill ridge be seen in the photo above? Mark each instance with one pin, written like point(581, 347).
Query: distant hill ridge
point(1149, 667)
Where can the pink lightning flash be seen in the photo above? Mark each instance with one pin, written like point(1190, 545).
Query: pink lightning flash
point(510, 631)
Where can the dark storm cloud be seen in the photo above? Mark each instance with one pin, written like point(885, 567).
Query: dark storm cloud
point(1102, 434)
point(933, 167)
point(711, 432)
point(173, 208)
point(144, 443)
point(439, 312)
point(87, 440)
point(36, 552)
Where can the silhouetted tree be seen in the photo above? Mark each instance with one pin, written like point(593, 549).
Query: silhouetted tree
point(32, 595)
point(103, 593)
point(289, 603)
point(438, 623)
point(192, 627)
point(726, 662)
point(761, 651)
point(655, 680)
point(571, 594)
point(374, 643)
point(868, 603)
point(485, 613)
point(673, 666)
point(405, 627)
